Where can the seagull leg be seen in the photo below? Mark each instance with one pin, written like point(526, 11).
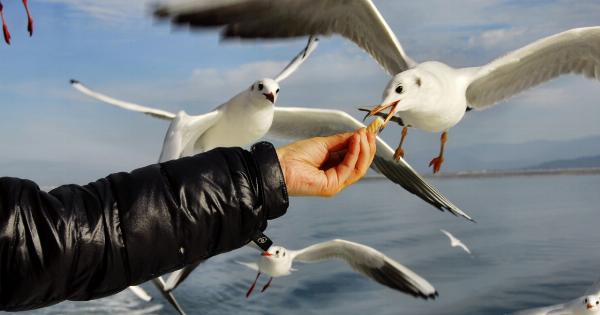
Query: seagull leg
point(4, 27)
point(267, 285)
point(29, 19)
point(399, 151)
point(252, 286)
point(437, 162)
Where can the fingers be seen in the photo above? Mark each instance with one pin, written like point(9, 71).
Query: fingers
point(364, 158)
point(336, 142)
point(338, 175)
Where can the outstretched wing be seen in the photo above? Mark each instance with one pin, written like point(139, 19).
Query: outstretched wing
point(301, 123)
point(370, 263)
point(161, 114)
point(183, 132)
point(312, 44)
point(575, 51)
point(179, 276)
point(357, 20)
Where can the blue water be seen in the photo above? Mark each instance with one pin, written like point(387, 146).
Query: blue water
point(536, 243)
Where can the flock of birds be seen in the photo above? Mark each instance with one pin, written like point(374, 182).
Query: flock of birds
point(431, 96)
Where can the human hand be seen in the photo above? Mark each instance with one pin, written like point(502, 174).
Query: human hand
point(324, 166)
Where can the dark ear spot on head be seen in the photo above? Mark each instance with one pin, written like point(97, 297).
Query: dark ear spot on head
point(418, 82)
point(252, 87)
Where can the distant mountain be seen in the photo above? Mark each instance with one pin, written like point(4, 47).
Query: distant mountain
point(583, 162)
point(502, 156)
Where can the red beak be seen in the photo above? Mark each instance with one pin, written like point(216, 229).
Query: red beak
point(589, 306)
point(266, 254)
point(270, 97)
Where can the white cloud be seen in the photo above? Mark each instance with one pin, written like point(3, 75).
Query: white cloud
point(108, 10)
point(495, 38)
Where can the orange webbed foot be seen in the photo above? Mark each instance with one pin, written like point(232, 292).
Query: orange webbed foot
point(398, 154)
point(437, 164)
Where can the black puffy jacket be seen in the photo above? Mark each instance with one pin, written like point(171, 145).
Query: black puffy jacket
point(87, 242)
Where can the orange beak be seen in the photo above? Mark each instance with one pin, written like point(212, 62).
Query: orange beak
point(382, 107)
point(270, 97)
point(266, 254)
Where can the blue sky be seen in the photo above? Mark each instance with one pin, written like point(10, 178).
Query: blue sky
point(50, 133)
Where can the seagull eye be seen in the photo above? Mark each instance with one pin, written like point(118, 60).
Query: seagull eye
point(399, 89)
point(276, 92)
point(277, 253)
point(260, 86)
point(597, 302)
point(585, 301)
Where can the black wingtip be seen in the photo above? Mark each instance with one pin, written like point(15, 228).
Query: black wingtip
point(73, 81)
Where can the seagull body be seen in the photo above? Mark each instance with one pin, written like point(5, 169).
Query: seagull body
point(585, 305)
point(278, 261)
point(455, 242)
point(431, 96)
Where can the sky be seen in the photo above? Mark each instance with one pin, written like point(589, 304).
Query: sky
point(52, 134)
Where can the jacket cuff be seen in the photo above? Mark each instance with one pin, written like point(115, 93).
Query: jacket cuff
point(275, 195)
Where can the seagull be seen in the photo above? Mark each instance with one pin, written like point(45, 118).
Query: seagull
point(242, 120)
point(585, 305)
point(278, 261)
point(431, 96)
point(5, 31)
point(455, 242)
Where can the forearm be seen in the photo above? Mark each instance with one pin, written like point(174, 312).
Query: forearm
point(84, 242)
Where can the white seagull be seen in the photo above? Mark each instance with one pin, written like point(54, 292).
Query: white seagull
point(431, 96)
point(455, 242)
point(588, 304)
point(243, 119)
point(278, 261)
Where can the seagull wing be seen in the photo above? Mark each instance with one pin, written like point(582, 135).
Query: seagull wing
point(141, 293)
point(179, 276)
point(159, 283)
point(358, 21)
point(370, 263)
point(575, 51)
point(251, 265)
point(312, 44)
point(183, 133)
point(126, 105)
point(301, 123)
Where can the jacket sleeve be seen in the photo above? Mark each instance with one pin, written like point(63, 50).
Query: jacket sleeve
point(86, 242)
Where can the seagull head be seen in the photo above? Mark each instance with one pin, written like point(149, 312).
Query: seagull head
point(591, 303)
point(276, 262)
point(265, 90)
point(401, 94)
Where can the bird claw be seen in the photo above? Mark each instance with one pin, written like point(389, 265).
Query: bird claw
point(399, 154)
point(437, 164)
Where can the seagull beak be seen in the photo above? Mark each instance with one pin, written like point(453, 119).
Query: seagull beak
point(266, 254)
point(270, 97)
point(590, 306)
point(382, 107)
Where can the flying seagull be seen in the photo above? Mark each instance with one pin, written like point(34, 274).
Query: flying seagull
point(455, 242)
point(240, 121)
point(588, 304)
point(278, 261)
point(431, 96)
